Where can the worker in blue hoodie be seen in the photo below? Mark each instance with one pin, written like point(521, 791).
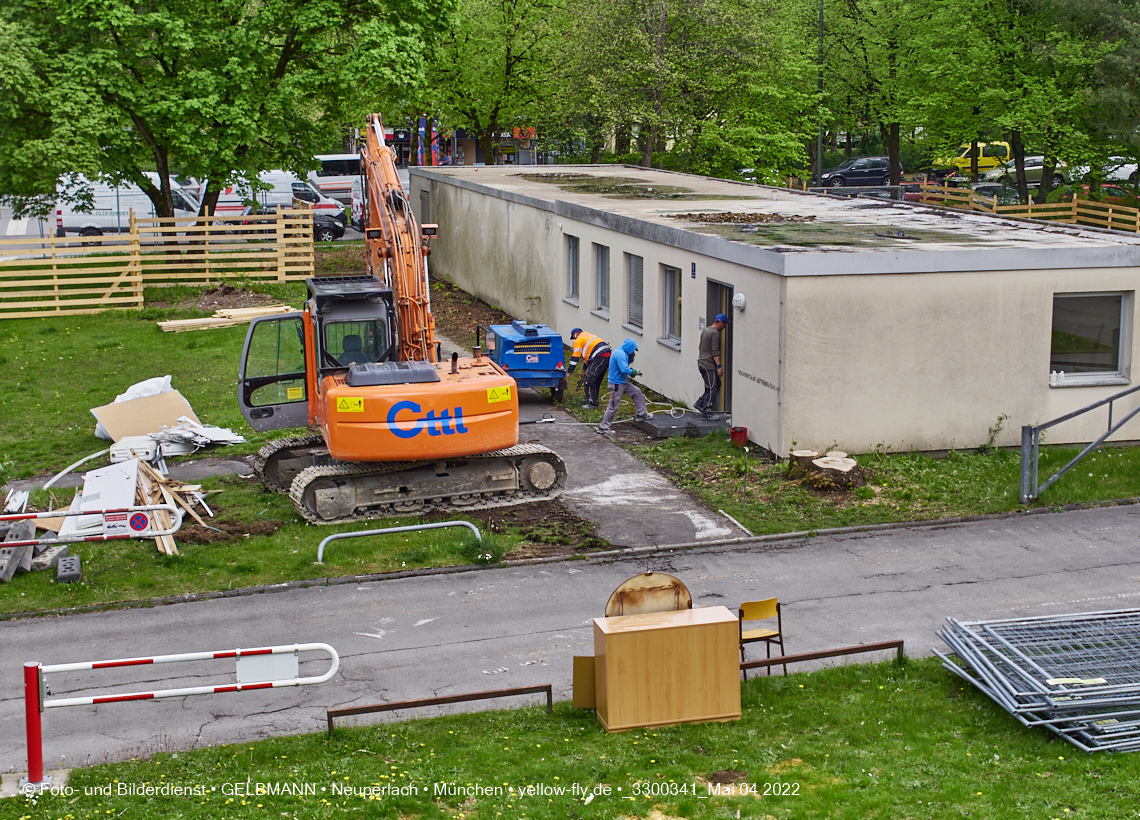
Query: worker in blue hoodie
point(621, 371)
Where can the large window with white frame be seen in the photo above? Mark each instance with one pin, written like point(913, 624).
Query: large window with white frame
point(671, 303)
point(571, 267)
point(601, 278)
point(1088, 340)
point(634, 290)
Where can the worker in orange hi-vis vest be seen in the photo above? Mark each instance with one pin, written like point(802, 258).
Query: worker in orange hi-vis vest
point(594, 354)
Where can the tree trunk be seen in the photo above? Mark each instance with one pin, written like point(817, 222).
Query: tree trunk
point(622, 138)
point(974, 151)
point(893, 152)
point(1018, 150)
point(487, 144)
point(414, 154)
point(646, 142)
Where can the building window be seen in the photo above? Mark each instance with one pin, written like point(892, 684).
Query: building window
point(671, 302)
point(571, 267)
point(634, 291)
point(1087, 331)
point(601, 277)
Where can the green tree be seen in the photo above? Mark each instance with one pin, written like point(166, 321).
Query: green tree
point(218, 89)
point(487, 71)
point(711, 85)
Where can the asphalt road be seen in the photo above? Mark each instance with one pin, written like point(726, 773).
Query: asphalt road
point(495, 628)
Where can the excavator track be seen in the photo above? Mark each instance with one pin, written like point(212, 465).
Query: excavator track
point(280, 460)
point(342, 492)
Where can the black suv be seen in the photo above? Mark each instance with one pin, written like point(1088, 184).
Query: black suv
point(859, 171)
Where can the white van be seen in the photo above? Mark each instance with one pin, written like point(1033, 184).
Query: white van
point(336, 174)
point(285, 189)
point(112, 206)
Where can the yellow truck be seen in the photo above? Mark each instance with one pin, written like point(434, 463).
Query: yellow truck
point(990, 155)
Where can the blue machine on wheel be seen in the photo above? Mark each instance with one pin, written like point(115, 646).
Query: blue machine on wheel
point(530, 354)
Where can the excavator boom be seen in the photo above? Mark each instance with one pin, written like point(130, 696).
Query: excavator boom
point(400, 431)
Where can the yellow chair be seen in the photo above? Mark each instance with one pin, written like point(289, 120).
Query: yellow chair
point(762, 611)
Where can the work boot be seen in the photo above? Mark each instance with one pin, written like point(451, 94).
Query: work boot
point(606, 431)
point(643, 416)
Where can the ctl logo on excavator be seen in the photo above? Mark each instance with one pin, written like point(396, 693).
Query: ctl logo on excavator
point(442, 425)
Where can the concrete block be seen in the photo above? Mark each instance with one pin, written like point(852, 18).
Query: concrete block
point(3, 530)
point(49, 557)
point(21, 531)
point(68, 570)
point(12, 560)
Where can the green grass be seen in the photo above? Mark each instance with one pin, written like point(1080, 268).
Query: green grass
point(903, 487)
point(59, 368)
point(117, 571)
point(857, 741)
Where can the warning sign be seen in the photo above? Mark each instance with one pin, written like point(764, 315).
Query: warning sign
point(117, 523)
point(496, 394)
point(295, 393)
point(350, 405)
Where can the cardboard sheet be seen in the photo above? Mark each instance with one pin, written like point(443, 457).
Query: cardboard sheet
point(139, 417)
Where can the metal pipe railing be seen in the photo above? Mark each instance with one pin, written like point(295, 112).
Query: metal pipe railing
point(1031, 445)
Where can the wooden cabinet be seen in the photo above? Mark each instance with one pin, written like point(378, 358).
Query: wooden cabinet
point(667, 667)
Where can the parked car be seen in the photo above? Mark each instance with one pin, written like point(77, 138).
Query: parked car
point(284, 188)
point(858, 171)
point(1108, 194)
point(990, 155)
point(1117, 169)
point(327, 227)
point(1006, 195)
point(1006, 173)
point(111, 206)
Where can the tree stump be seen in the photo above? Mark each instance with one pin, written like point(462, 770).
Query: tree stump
point(843, 472)
point(799, 462)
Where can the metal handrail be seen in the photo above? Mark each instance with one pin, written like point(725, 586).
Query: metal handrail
point(1031, 445)
point(414, 528)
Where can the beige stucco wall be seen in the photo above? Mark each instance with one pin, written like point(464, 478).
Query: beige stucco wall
point(514, 256)
point(926, 360)
point(929, 361)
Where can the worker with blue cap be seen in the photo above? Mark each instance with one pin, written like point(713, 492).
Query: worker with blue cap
point(620, 372)
point(709, 363)
point(594, 354)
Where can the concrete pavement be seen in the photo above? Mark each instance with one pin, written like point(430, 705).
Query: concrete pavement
point(488, 629)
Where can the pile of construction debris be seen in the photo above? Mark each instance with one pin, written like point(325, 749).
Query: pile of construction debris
point(147, 424)
point(757, 218)
point(1075, 675)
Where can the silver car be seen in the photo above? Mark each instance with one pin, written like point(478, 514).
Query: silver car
point(1006, 173)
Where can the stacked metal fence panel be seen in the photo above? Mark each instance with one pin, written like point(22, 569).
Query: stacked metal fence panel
point(1077, 675)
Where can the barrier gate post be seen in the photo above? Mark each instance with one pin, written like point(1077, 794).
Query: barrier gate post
point(33, 705)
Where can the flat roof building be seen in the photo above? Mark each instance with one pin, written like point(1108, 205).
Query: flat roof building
point(856, 323)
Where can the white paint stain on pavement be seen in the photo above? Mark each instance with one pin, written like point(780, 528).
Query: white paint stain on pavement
point(627, 489)
point(425, 621)
point(378, 634)
point(707, 527)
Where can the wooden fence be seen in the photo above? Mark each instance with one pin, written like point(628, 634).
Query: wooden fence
point(1077, 212)
point(69, 275)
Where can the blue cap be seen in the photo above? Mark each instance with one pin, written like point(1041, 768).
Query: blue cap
point(720, 317)
point(575, 332)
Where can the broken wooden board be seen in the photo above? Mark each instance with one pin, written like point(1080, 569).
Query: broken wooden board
point(140, 417)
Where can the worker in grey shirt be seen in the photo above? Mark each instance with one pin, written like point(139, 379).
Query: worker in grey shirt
point(709, 363)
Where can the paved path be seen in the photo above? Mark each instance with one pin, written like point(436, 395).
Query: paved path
point(419, 637)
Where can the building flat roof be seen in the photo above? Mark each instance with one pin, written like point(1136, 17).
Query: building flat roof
point(792, 233)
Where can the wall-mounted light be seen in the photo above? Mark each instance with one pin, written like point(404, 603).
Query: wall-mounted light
point(738, 301)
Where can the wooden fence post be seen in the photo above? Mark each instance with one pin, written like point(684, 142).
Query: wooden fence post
point(281, 216)
point(55, 274)
point(135, 264)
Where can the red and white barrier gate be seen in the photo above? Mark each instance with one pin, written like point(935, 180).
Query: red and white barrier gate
point(127, 522)
point(267, 667)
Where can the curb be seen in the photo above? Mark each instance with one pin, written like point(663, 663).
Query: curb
point(774, 540)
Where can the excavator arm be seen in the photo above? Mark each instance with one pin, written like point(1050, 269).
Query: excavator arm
point(395, 249)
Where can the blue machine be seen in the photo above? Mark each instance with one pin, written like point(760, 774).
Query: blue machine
point(530, 354)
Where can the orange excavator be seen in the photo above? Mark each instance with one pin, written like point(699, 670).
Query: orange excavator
point(401, 433)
